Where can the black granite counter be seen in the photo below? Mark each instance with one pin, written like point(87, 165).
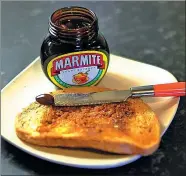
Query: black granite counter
point(150, 32)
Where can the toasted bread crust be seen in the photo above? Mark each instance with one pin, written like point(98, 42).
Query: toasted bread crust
point(124, 128)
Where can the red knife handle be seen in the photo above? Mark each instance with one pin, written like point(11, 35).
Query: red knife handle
point(160, 90)
point(170, 89)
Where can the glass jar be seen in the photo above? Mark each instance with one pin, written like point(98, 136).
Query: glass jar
point(74, 52)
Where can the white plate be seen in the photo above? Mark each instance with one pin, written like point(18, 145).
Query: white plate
point(122, 74)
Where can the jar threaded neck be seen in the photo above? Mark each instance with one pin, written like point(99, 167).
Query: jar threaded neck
point(73, 23)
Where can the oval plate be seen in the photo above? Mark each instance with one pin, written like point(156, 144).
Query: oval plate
point(122, 74)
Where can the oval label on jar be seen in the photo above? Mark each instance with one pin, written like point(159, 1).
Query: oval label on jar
point(85, 68)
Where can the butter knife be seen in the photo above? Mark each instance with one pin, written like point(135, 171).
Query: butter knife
point(113, 96)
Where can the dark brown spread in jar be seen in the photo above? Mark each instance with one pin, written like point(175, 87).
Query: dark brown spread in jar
point(74, 53)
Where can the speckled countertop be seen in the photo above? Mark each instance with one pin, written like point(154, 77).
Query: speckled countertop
point(151, 32)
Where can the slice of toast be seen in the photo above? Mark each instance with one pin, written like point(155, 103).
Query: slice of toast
point(129, 127)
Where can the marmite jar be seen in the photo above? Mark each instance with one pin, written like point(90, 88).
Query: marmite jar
point(74, 53)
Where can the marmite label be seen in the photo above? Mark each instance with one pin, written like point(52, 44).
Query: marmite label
point(85, 68)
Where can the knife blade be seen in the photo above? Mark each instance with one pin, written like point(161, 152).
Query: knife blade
point(79, 99)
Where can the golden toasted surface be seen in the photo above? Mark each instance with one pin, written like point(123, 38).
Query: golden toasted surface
point(131, 123)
